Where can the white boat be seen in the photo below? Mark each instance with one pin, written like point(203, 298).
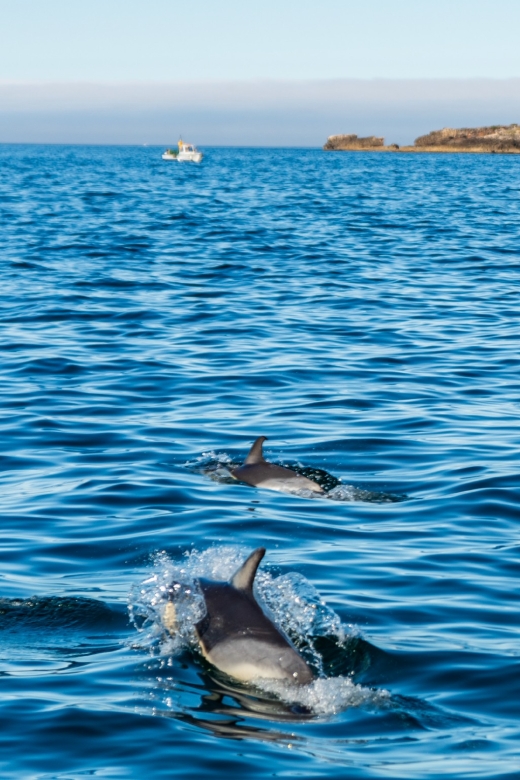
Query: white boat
point(185, 153)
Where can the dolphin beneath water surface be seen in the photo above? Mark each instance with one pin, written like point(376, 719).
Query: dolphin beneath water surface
point(237, 637)
point(259, 472)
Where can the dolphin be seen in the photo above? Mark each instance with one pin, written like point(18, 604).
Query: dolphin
point(257, 471)
point(237, 637)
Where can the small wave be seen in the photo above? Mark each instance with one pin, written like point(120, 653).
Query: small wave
point(353, 493)
point(53, 629)
point(53, 613)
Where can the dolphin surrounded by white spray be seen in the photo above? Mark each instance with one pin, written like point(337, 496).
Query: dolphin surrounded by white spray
point(259, 472)
point(236, 636)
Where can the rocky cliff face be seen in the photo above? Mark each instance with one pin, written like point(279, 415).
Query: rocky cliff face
point(353, 143)
point(498, 138)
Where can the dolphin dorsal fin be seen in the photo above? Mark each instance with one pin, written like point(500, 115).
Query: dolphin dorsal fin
point(255, 454)
point(243, 578)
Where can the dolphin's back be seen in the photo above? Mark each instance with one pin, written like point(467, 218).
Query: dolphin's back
point(259, 472)
point(239, 639)
point(232, 613)
point(236, 636)
point(273, 477)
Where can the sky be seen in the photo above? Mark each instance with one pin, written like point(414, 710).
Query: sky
point(280, 71)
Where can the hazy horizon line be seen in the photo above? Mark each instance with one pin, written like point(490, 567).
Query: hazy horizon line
point(250, 112)
point(254, 80)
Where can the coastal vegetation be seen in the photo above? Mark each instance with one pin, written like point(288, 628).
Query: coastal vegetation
point(496, 139)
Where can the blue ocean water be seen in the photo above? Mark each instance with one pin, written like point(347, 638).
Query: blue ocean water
point(360, 310)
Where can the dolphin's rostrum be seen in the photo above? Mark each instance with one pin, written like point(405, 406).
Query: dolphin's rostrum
point(237, 637)
point(259, 472)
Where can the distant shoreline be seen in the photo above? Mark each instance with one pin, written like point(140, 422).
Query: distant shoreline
point(424, 150)
point(496, 139)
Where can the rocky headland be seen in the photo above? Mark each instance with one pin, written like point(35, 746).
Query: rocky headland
point(497, 139)
point(343, 143)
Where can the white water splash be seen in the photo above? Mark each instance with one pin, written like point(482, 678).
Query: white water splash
point(291, 600)
point(294, 604)
point(215, 465)
point(327, 696)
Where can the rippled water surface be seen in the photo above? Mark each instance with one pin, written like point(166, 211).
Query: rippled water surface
point(359, 310)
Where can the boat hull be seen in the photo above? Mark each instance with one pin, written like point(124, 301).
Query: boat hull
point(189, 157)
